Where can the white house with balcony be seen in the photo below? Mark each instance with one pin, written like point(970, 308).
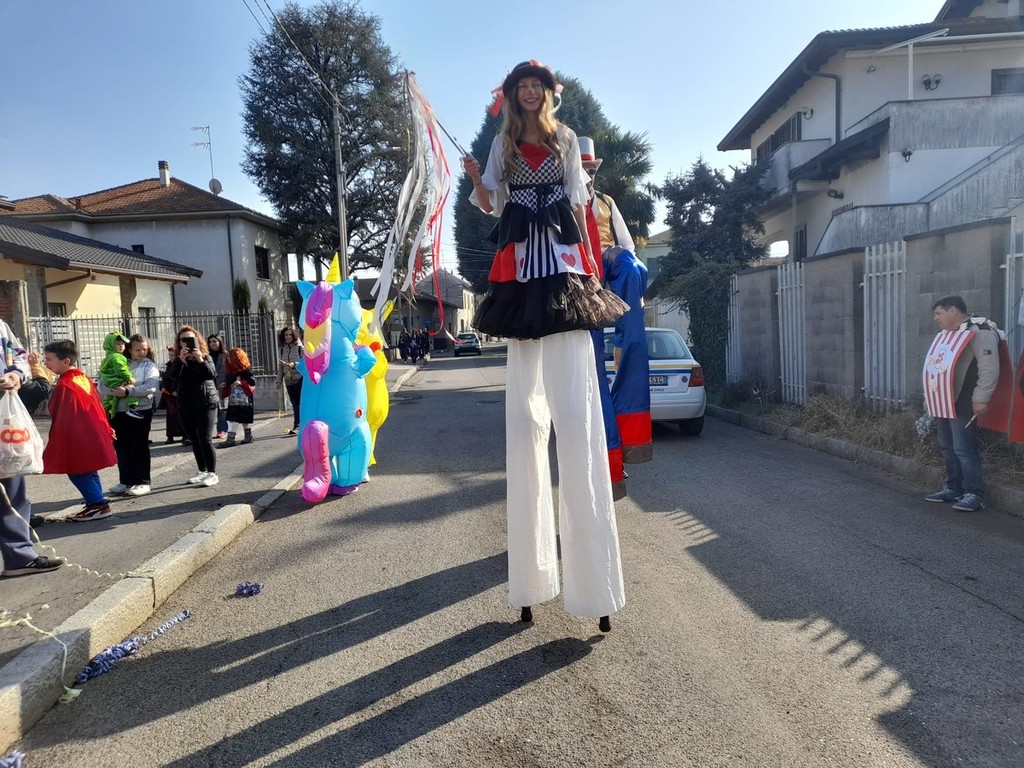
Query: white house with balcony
point(876, 134)
point(896, 167)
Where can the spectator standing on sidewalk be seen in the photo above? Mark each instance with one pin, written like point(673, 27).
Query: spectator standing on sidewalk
point(81, 441)
point(19, 555)
point(241, 385)
point(169, 401)
point(972, 383)
point(289, 354)
point(197, 398)
point(132, 443)
point(217, 351)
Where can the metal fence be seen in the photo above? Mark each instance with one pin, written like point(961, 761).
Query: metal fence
point(885, 331)
point(733, 353)
point(792, 341)
point(256, 334)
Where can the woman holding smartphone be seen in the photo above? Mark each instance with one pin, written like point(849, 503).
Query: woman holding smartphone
point(197, 398)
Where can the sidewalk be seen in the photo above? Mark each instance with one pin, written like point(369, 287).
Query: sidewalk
point(146, 549)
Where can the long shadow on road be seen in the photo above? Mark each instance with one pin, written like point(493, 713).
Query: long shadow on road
point(221, 668)
point(389, 730)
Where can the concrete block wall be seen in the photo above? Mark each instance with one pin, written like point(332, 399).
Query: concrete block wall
point(834, 317)
point(965, 260)
point(759, 324)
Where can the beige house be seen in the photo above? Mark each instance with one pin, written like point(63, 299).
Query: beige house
point(174, 221)
point(659, 313)
point(65, 275)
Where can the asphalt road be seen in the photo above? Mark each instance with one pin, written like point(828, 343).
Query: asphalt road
point(784, 608)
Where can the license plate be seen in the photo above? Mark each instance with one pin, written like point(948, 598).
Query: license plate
point(659, 381)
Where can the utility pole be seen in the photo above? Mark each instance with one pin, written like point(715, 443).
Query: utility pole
point(339, 171)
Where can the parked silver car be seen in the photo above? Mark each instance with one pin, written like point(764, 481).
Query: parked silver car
point(468, 344)
point(676, 379)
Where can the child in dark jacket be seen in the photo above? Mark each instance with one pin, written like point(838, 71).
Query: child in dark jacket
point(240, 387)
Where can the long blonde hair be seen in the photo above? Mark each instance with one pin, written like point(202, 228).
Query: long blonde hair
point(514, 125)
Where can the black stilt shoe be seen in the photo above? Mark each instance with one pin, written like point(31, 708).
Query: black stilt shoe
point(526, 615)
point(604, 624)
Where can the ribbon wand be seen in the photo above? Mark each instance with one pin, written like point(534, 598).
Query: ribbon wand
point(451, 138)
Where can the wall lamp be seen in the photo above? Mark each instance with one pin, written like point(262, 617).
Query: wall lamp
point(835, 194)
point(906, 154)
point(931, 82)
point(807, 112)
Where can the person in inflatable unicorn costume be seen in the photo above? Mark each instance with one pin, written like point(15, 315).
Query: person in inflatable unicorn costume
point(342, 403)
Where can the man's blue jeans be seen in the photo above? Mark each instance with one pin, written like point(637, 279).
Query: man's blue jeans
point(960, 450)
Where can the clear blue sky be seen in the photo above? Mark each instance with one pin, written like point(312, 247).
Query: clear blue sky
point(93, 94)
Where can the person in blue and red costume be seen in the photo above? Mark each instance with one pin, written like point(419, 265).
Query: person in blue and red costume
point(626, 275)
point(545, 297)
point(81, 439)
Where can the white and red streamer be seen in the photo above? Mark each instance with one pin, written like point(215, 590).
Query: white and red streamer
point(426, 171)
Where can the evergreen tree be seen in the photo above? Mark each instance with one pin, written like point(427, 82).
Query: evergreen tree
point(715, 230)
point(288, 123)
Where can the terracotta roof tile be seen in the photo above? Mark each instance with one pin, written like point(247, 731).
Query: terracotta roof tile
point(40, 204)
point(146, 197)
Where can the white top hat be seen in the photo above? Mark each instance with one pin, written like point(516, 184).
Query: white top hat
point(587, 153)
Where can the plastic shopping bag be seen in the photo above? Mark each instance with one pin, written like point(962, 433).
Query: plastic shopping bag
point(21, 447)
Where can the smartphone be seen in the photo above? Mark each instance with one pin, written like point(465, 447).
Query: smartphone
point(189, 342)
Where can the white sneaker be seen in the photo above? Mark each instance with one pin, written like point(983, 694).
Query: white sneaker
point(118, 488)
point(210, 479)
point(198, 478)
point(138, 490)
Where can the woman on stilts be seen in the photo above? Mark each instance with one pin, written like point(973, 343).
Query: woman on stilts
point(545, 298)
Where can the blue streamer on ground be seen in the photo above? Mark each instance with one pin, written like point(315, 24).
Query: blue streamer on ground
point(248, 589)
point(106, 659)
point(14, 760)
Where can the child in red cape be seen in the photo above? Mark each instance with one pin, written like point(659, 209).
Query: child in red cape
point(81, 440)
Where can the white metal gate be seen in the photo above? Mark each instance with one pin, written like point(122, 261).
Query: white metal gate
point(885, 333)
point(792, 335)
point(733, 356)
point(1014, 292)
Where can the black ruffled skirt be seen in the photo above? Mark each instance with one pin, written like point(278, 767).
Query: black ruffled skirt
point(542, 306)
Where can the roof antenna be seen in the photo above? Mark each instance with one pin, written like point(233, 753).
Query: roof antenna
point(215, 186)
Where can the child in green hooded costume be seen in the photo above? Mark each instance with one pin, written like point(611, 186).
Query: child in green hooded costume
point(114, 372)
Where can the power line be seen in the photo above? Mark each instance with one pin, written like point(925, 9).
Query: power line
point(258, 24)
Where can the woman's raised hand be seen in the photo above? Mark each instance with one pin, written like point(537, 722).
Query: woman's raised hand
point(472, 168)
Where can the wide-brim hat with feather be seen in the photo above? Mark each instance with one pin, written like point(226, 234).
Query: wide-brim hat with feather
point(531, 68)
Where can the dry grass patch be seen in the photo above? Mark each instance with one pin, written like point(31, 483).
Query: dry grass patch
point(893, 433)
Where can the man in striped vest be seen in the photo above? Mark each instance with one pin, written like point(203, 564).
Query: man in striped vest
point(960, 376)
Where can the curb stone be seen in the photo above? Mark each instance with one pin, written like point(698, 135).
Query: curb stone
point(1007, 500)
point(30, 684)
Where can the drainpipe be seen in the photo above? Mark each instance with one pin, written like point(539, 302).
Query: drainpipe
point(839, 102)
point(231, 259)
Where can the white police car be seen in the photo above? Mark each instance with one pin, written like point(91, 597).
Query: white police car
point(676, 379)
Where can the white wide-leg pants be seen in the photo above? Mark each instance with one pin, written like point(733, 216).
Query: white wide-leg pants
point(553, 380)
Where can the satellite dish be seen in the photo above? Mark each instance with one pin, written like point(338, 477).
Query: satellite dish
point(216, 187)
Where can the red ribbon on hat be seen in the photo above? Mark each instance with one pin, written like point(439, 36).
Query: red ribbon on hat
point(499, 100)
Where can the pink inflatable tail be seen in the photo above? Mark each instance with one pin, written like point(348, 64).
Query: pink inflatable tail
point(316, 469)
